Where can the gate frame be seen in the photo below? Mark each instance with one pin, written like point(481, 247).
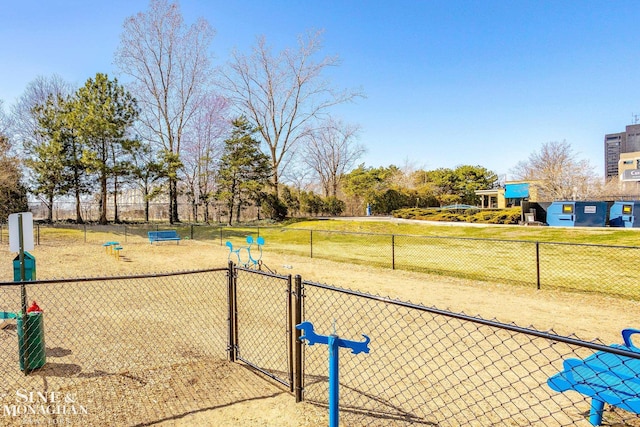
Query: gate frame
point(294, 356)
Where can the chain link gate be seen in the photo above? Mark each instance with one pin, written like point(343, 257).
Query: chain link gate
point(260, 319)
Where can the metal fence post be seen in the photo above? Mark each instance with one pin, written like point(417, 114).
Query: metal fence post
point(393, 251)
point(85, 232)
point(191, 232)
point(311, 243)
point(232, 312)
point(538, 265)
point(125, 234)
point(220, 236)
point(298, 367)
point(290, 329)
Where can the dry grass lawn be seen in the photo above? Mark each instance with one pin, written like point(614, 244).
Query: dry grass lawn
point(264, 403)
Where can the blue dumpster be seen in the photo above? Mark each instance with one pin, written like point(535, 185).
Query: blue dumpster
point(625, 214)
point(577, 214)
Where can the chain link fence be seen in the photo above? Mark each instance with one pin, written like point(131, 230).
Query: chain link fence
point(436, 368)
point(605, 269)
point(136, 350)
point(119, 351)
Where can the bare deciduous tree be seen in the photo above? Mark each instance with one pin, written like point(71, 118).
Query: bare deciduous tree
point(330, 151)
point(170, 65)
point(283, 94)
point(4, 120)
point(613, 188)
point(24, 120)
point(203, 147)
point(557, 172)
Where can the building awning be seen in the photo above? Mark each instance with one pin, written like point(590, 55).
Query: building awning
point(516, 191)
point(490, 192)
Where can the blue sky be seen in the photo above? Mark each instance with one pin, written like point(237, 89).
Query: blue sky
point(447, 82)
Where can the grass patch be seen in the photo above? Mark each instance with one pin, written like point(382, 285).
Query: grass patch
point(599, 260)
point(583, 235)
point(488, 216)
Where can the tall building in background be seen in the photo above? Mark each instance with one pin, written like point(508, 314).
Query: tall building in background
point(612, 144)
point(616, 144)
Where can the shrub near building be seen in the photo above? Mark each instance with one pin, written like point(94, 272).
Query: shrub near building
point(488, 216)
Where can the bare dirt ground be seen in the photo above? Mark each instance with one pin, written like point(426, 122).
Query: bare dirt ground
point(267, 404)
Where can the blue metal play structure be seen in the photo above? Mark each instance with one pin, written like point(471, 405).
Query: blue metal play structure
point(249, 256)
point(334, 342)
point(605, 377)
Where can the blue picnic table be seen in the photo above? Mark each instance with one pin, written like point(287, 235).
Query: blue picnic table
point(605, 377)
point(109, 246)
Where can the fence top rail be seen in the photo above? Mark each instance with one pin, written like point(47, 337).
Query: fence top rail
point(478, 320)
point(111, 278)
point(263, 273)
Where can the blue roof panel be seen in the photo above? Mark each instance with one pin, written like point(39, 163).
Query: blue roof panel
point(516, 191)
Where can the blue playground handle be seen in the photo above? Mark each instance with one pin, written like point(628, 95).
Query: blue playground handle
point(313, 338)
point(334, 342)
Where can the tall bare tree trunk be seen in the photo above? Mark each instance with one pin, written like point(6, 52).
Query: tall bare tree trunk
point(170, 66)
